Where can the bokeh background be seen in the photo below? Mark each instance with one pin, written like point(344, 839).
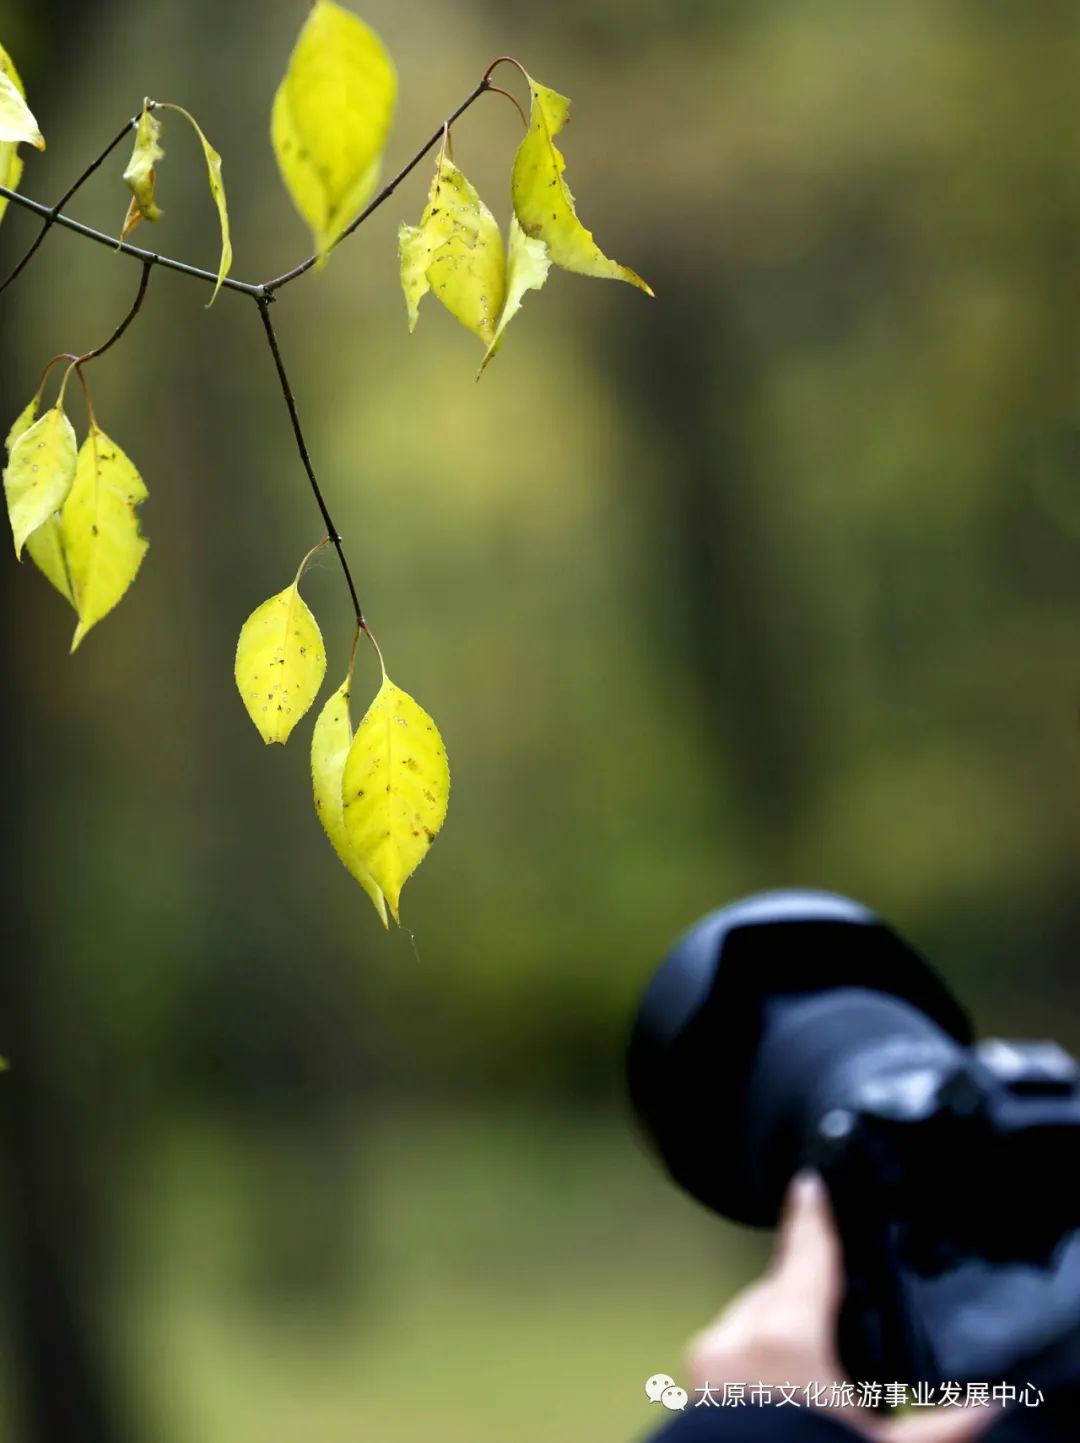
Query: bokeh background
point(774, 579)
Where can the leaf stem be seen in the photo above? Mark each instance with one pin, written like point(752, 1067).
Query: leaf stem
point(91, 418)
point(77, 368)
point(61, 356)
point(53, 216)
point(352, 650)
point(263, 302)
point(378, 649)
point(505, 60)
point(307, 559)
point(498, 90)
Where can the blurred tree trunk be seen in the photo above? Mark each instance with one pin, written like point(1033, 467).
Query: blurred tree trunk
point(732, 606)
point(53, 1230)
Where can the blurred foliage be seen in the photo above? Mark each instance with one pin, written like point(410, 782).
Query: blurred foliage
point(771, 580)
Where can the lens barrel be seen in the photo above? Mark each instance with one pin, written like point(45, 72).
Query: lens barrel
point(766, 1014)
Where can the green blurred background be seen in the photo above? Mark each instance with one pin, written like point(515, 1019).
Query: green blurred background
point(774, 579)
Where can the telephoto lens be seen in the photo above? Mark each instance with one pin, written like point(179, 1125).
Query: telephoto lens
point(796, 1029)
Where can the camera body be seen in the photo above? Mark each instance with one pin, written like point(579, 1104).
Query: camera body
point(795, 1029)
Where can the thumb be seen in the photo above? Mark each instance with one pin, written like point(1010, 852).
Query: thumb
point(808, 1255)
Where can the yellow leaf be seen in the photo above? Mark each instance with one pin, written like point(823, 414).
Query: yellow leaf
point(44, 546)
point(11, 166)
point(396, 788)
point(39, 473)
point(141, 173)
point(217, 192)
point(22, 422)
point(542, 200)
point(11, 169)
point(330, 744)
point(280, 663)
point(331, 117)
point(457, 249)
point(101, 545)
point(526, 270)
point(17, 123)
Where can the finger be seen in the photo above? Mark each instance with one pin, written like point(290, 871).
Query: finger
point(808, 1254)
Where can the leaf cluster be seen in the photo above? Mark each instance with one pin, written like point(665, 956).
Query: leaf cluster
point(380, 789)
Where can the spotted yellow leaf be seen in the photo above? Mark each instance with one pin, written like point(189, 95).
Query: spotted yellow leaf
point(280, 663)
point(457, 251)
point(542, 200)
point(396, 787)
point(526, 270)
point(141, 172)
point(331, 118)
point(39, 473)
point(100, 542)
point(330, 742)
point(22, 422)
point(44, 546)
point(11, 166)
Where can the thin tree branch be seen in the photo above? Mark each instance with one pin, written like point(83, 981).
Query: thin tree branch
point(76, 362)
point(244, 287)
point(263, 302)
point(263, 294)
point(53, 216)
point(136, 305)
point(387, 190)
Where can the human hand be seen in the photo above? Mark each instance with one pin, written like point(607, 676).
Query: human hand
point(782, 1329)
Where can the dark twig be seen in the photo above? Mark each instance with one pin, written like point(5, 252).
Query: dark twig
point(263, 294)
point(263, 303)
point(387, 190)
point(54, 214)
point(244, 287)
point(144, 281)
